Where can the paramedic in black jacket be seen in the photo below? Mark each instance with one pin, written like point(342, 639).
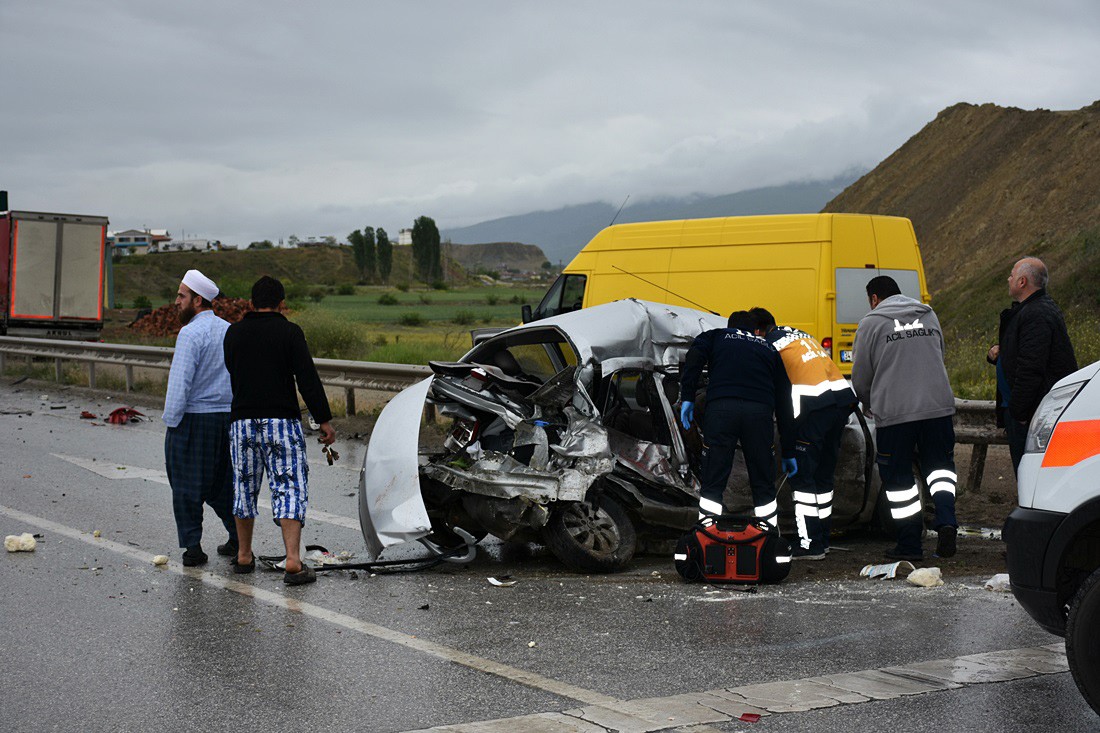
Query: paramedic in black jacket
point(746, 385)
point(1033, 352)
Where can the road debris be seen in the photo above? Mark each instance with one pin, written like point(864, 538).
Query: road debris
point(998, 583)
point(160, 559)
point(20, 542)
point(85, 415)
point(502, 582)
point(97, 533)
point(124, 415)
point(926, 577)
point(886, 571)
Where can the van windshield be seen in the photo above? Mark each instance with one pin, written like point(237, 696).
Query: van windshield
point(851, 289)
point(564, 296)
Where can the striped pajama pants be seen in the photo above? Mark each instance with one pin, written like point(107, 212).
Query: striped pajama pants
point(277, 447)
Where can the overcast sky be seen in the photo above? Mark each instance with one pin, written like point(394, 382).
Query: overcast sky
point(255, 119)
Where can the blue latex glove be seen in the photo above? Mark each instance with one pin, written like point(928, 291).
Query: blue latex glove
point(687, 414)
point(790, 465)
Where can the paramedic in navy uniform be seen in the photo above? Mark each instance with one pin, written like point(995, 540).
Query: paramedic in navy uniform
point(746, 385)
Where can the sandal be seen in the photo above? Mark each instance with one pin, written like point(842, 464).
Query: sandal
point(244, 568)
point(303, 576)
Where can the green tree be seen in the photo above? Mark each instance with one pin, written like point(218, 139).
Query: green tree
point(369, 258)
point(358, 252)
point(425, 249)
point(384, 252)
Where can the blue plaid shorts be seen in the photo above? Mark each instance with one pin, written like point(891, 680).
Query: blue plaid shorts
point(274, 446)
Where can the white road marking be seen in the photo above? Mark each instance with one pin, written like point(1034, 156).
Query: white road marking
point(116, 471)
point(514, 674)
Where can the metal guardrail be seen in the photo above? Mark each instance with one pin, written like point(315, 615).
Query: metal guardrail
point(348, 375)
point(974, 423)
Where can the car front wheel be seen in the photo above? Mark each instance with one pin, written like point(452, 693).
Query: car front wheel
point(592, 536)
point(1083, 639)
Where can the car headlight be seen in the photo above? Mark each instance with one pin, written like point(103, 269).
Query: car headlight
point(1047, 416)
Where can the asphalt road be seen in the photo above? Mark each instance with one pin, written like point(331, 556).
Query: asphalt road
point(95, 638)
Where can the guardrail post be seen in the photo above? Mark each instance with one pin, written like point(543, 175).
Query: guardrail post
point(129, 378)
point(977, 467)
point(3, 362)
point(349, 401)
point(58, 371)
point(91, 375)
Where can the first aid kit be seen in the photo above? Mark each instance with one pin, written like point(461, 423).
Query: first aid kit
point(733, 549)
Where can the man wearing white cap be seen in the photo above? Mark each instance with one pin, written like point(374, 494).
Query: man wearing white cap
point(196, 411)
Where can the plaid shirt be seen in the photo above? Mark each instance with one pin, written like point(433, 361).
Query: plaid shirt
point(198, 380)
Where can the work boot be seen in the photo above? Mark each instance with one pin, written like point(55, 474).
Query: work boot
point(900, 554)
point(229, 548)
point(945, 542)
point(801, 553)
point(193, 556)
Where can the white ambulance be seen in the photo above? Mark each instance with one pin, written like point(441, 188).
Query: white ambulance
point(1053, 536)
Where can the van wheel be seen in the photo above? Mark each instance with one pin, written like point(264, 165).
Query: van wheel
point(592, 536)
point(1083, 640)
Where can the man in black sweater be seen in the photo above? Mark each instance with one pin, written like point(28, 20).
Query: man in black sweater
point(747, 384)
point(265, 354)
point(1033, 351)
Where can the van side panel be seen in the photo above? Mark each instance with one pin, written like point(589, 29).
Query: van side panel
point(725, 278)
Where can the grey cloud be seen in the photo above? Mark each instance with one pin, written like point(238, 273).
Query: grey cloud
point(255, 119)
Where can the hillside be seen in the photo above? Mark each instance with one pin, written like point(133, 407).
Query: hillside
point(985, 185)
point(157, 276)
point(561, 233)
point(497, 256)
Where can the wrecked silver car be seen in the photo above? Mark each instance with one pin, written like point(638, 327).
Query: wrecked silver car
point(564, 432)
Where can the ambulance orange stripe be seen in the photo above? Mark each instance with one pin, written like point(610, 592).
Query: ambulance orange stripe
point(1072, 442)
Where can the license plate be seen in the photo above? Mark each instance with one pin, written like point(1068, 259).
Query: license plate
point(846, 356)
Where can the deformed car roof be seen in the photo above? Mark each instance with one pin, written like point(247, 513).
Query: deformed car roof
point(636, 328)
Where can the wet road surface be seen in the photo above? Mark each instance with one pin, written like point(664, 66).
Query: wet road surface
point(97, 638)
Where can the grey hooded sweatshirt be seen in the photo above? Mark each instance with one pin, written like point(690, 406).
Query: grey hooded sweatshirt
point(897, 368)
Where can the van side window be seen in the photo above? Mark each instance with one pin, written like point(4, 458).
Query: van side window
point(564, 296)
point(851, 289)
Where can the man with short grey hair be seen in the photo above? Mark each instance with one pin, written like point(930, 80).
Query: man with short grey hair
point(1033, 351)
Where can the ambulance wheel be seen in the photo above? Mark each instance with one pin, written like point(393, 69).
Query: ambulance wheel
point(592, 536)
point(1083, 640)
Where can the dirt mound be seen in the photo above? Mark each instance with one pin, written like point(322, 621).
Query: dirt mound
point(987, 184)
point(164, 321)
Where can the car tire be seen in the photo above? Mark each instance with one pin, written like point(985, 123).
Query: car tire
point(1083, 639)
point(592, 536)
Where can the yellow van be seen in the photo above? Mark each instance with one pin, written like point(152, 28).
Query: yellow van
point(809, 270)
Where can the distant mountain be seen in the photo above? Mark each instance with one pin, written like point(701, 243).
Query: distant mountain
point(562, 232)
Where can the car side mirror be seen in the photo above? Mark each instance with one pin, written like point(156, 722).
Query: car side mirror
point(525, 313)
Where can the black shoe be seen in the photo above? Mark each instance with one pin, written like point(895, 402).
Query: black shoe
point(945, 544)
point(800, 553)
point(193, 556)
point(244, 568)
point(303, 576)
point(897, 554)
point(229, 548)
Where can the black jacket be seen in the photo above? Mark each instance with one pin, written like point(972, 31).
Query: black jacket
point(743, 366)
point(1035, 351)
point(265, 353)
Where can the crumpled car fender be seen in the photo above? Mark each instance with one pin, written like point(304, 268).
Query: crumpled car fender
point(393, 510)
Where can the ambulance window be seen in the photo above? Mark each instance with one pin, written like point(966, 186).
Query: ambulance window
point(851, 290)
